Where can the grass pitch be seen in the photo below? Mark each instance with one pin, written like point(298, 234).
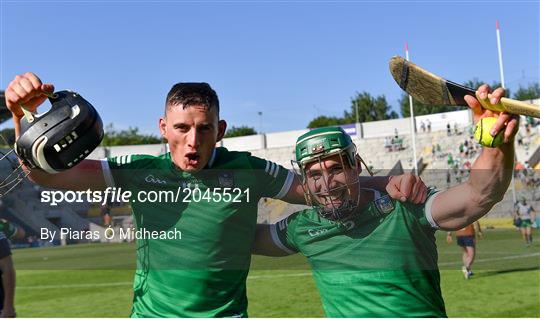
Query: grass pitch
point(506, 281)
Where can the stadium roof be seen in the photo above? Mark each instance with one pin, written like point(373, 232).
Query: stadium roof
point(5, 114)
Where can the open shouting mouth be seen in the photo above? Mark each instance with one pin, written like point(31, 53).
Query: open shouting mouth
point(193, 158)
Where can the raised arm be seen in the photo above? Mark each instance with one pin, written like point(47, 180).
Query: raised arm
point(88, 174)
point(490, 174)
point(27, 90)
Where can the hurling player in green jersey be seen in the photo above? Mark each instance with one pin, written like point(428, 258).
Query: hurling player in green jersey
point(372, 256)
point(201, 271)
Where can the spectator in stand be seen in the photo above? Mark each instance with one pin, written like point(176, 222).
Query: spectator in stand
point(459, 176)
point(450, 160)
point(518, 171)
point(396, 144)
point(387, 144)
point(457, 162)
point(519, 138)
point(467, 165)
point(466, 239)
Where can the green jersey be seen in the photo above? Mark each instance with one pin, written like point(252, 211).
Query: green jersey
point(379, 263)
point(201, 271)
point(7, 229)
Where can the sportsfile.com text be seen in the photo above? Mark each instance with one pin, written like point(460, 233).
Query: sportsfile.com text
point(182, 194)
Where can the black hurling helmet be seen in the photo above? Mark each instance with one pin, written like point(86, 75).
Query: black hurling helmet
point(57, 139)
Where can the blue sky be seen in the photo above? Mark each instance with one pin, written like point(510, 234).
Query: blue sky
point(291, 60)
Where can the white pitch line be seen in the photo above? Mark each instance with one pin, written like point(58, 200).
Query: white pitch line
point(492, 259)
point(302, 274)
point(104, 284)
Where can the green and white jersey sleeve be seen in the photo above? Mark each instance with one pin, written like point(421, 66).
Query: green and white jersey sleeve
point(283, 233)
point(274, 180)
point(423, 212)
point(119, 170)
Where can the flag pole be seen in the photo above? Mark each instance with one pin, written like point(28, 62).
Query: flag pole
point(413, 131)
point(501, 71)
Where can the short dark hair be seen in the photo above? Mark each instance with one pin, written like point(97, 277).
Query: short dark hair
point(192, 93)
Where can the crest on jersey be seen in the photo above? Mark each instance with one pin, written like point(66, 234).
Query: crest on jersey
point(384, 204)
point(226, 179)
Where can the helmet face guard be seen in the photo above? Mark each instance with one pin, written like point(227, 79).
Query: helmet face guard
point(58, 139)
point(327, 162)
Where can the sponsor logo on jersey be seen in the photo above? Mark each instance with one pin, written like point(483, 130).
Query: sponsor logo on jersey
point(384, 204)
point(226, 179)
point(191, 183)
point(316, 232)
point(154, 180)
